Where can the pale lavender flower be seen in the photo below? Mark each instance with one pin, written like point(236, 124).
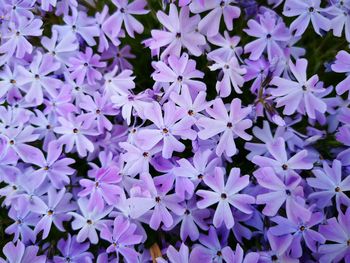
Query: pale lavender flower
point(53, 210)
point(122, 238)
point(329, 182)
point(90, 220)
point(84, 66)
point(342, 65)
point(123, 15)
point(179, 73)
point(226, 195)
point(16, 42)
point(103, 189)
point(74, 131)
point(39, 79)
point(232, 74)
point(168, 127)
point(80, 25)
point(306, 11)
point(299, 95)
point(155, 202)
point(288, 192)
point(271, 33)
point(280, 161)
point(97, 107)
point(210, 23)
point(19, 253)
point(229, 126)
point(60, 46)
point(72, 251)
point(181, 32)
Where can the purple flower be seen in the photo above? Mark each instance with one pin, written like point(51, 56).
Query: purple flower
point(271, 34)
point(156, 203)
point(79, 24)
point(190, 174)
point(229, 126)
point(210, 249)
point(339, 11)
point(280, 162)
point(210, 23)
point(329, 182)
point(53, 210)
point(17, 139)
point(232, 74)
point(306, 11)
point(181, 256)
point(299, 95)
point(297, 229)
point(90, 220)
point(124, 13)
point(192, 219)
point(193, 107)
point(24, 219)
point(279, 192)
point(137, 159)
point(179, 73)
point(228, 46)
point(16, 42)
point(60, 46)
point(103, 189)
point(225, 195)
point(122, 238)
point(338, 232)
point(342, 65)
point(84, 66)
point(74, 131)
point(72, 251)
point(181, 33)
point(19, 253)
point(38, 79)
point(53, 167)
point(167, 126)
point(118, 82)
point(96, 108)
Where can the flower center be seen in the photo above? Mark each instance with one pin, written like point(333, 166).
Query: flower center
point(302, 228)
point(190, 112)
point(178, 35)
point(223, 196)
point(89, 222)
point(75, 130)
point(12, 81)
point(179, 78)
point(288, 192)
point(311, 9)
point(337, 189)
point(165, 130)
point(11, 142)
point(157, 199)
point(145, 154)
point(98, 111)
point(219, 254)
point(187, 212)
point(229, 125)
point(268, 36)
point(284, 167)
point(50, 212)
